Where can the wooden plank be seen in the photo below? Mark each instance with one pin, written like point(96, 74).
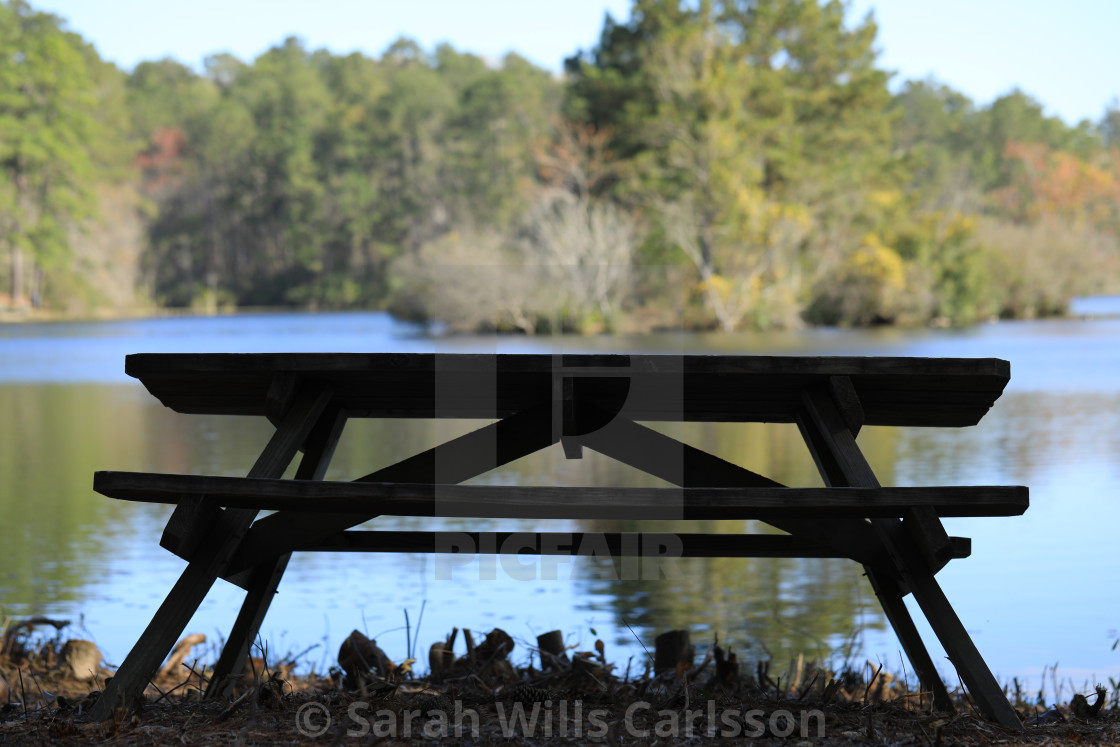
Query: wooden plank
point(188, 592)
point(520, 501)
point(898, 391)
point(616, 544)
point(184, 364)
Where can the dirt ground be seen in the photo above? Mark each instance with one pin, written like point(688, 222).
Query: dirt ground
point(47, 687)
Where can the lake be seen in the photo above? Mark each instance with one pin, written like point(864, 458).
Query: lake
point(1039, 590)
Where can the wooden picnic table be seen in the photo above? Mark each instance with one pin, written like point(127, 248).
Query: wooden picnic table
point(598, 402)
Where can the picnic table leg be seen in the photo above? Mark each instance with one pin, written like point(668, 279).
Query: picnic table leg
point(265, 578)
point(842, 464)
point(890, 599)
point(171, 618)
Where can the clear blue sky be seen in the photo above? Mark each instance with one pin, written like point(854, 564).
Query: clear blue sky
point(1065, 54)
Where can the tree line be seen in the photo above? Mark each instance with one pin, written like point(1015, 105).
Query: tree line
point(710, 165)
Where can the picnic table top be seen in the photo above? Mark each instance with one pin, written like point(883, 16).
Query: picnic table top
point(724, 388)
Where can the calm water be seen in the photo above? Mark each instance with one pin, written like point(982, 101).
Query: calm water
point(1039, 589)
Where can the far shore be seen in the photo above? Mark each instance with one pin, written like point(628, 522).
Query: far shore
point(34, 316)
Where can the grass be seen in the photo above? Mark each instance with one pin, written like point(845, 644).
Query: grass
point(858, 702)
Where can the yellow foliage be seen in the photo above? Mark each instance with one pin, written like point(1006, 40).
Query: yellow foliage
point(715, 283)
point(878, 263)
point(884, 198)
point(961, 228)
point(724, 287)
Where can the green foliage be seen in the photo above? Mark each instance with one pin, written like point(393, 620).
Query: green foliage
point(754, 131)
point(297, 179)
point(46, 125)
point(723, 164)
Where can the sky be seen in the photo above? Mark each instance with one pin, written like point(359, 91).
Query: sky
point(1066, 55)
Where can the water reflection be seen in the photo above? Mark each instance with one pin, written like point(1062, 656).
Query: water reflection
point(762, 607)
point(64, 544)
point(67, 550)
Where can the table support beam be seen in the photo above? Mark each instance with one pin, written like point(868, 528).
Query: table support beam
point(842, 464)
point(831, 441)
point(264, 579)
point(171, 618)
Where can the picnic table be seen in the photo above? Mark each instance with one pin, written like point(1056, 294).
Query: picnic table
point(597, 402)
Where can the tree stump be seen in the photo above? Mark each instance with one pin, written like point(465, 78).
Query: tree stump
point(441, 656)
point(674, 652)
point(553, 652)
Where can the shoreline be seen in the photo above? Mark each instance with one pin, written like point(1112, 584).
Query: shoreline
point(12, 316)
point(492, 699)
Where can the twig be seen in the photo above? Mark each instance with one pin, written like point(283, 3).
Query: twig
point(295, 657)
point(694, 673)
point(240, 701)
point(906, 681)
point(875, 676)
point(408, 634)
point(201, 679)
point(636, 638)
point(262, 646)
point(498, 650)
point(42, 695)
point(23, 692)
point(967, 694)
point(809, 687)
point(163, 695)
point(1057, 685)
point(419, 622)
point(478, 680)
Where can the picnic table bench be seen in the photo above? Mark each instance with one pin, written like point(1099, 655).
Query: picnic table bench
point(598, 402)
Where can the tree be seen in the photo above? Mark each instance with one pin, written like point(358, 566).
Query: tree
point(490, 137)
point(46, 126)
point(754, 128)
